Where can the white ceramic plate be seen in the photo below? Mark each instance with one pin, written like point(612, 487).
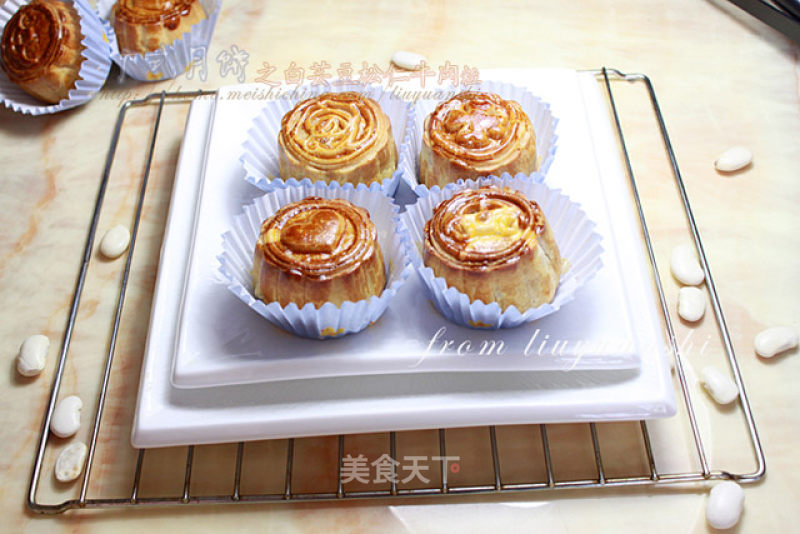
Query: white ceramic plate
point(222, 342)
point(167, 416)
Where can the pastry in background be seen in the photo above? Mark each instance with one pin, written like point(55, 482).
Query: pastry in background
point(495, 245)
point(146, 25)
point(476, 134)
point(342, 137)
point(41, 49)
point(318, 250)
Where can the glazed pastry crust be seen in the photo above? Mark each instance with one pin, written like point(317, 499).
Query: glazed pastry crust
point(476, 134)
point(146, 25)
point(41, 49)
point(318, 250)
point(495, 245)
point(342, 137)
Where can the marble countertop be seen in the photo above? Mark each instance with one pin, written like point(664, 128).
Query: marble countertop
point(722, 78)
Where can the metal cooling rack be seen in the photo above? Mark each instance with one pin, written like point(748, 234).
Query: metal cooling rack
point(653, 477)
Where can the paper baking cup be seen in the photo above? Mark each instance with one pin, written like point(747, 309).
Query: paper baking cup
point(538, 111)
point(168, 61)
point(577, 241)
point(328, 321)
point(260, 158)
point(93, 73)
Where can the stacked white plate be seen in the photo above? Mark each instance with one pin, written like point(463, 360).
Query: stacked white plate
point(215, 371)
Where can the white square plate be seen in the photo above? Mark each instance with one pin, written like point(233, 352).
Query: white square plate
point(222, 342)
point(398, 399)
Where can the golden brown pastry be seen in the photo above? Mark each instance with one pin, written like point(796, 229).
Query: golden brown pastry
point(318, 250)
point(343, 137)
point(476, 134)
point(146, 25)
point(41, 49)
point(494, 245)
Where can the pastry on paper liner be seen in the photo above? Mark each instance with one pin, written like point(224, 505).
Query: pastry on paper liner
point(538, 111)
point(261, 152)
point(91, 77)
point(144, 26)
point(328, 321)
point(577, 240)
point(476, 133)
point(340, 137)
point(494, 244)
point(168, 61)
point(318, 250)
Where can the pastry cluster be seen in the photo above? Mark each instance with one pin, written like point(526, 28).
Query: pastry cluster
point(41, 49)
point(146, 25)
point(476, 134)
point(316, 251)
point(495, 245)
point(342, 137)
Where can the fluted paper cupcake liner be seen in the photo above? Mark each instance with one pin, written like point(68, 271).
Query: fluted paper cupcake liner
point(260, 151)
point(168, 61)
point(575, 236)
point(538, 111)
point(94, 68)
point(328, 321)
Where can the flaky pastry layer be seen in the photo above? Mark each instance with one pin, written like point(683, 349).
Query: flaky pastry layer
point(476, 134)
point(318, 250)
point(494, 245)
point(146, 25)
point(342, 137)
point(41, 49)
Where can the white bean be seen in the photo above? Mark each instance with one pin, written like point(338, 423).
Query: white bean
point(685, 267)
point(115, 242)
point(775, 340)
point(691, 304)
point(66, 418)
point(32, 355)
point(725, 505)
point(69, 464)
point(733, 159)
point(718, 385)
point(408, 60)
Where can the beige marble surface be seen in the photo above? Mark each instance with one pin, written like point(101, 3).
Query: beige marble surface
point(722, 79)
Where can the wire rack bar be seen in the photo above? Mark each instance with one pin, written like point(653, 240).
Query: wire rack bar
point(652, 477)
point(120, 303)
point(687, 398)
point(651, 461)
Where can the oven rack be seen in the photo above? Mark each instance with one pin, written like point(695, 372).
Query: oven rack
point(652, 475)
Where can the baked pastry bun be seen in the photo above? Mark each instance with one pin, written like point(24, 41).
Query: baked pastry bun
point(476, 134)
point(342, 137)
point(41, 49)
point(318, 250)
point(146, 25)
point(495, 245)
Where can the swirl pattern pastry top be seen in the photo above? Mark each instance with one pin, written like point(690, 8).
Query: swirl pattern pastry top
point(41, 49)
point(476, 134)
point(494, 245)
point(146, 25)
point(344, 137)
point(318, 250)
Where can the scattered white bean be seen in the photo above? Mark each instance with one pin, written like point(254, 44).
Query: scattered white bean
point(733, 159)
point(32, 355)
point(691, 304)
point(718, 385)
point(775, 340)
point(408, 60)
point(69, 464)
point(725, 505)
point(115, 242)
point(66, 418)
point(685, 267)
